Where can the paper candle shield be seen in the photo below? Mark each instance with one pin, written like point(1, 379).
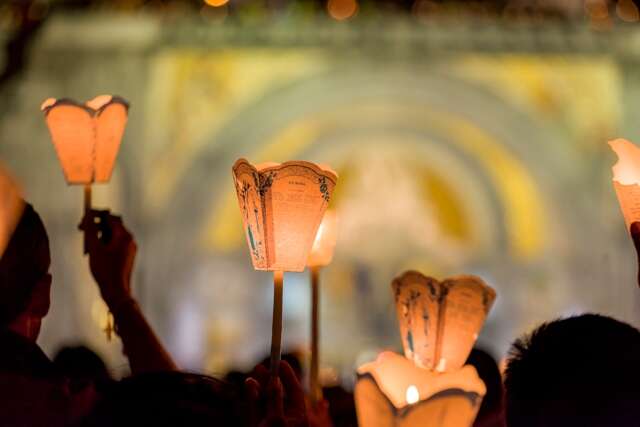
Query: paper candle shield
point(626, 179)
point(86, 136)
point(282, 206)
point(325, 242)
point(11, 208)
point(440, 321)
point(393, 391)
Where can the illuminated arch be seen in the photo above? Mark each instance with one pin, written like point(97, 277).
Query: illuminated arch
point(520, 199)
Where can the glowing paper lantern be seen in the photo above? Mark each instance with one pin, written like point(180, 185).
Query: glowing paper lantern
point(86, 136)
point(440, 321)
point(282, 206)
point(393, 391)
point(320, 256)
point(626, 179)
point(11, 208)
point(325, 242)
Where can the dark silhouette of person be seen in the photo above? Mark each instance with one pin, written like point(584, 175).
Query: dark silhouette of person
point(170, 399)
point(25, 281)
point(82, 365)
point(33, 391)
point(579, 371)
point(177, 399)
point(491, 412)
point(341, 406)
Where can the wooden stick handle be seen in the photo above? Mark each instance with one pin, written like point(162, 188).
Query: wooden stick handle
point(87, 198)
point(87, 208)
point(276, 325)
point(315, 390)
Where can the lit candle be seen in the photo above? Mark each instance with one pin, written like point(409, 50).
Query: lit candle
point(393, 391)
point(281, 206)
point(413, 395)
point(320, 256)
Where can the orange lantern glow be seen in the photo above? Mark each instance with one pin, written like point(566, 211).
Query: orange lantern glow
point(325, 242)
point(440, 321)
point(626, 179)
point(281, 206)
point(320, 256)
point(86, 136)
point(11, 208)
point(393, 391)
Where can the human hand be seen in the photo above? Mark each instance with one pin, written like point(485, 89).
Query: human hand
point(319, 415)
point(276, 401)
point(112, 251)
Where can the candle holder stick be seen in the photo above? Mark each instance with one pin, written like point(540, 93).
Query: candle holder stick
point(282, 205)
point(276, 325)
point(87, 208)
point(315, 390)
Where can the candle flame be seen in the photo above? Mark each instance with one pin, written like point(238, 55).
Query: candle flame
point(412, 394)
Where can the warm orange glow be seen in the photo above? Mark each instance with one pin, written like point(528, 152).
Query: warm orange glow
point(86, 136)
point(325, 242)
point(282, 206)
point(342, 9)
point(439, 321)
point(11, 207)
point(626, 179)
point(216, 3)
point(420, 397)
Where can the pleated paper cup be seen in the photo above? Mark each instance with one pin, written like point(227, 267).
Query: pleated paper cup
point(440, 321)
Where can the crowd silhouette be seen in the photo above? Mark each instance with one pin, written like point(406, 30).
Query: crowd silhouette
point(577, 371)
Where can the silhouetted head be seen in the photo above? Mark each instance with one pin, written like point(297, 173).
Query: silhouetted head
point(581, 371)
point(81, 364)
point(489, 373)
point(169, 399)
point(342, 406)
point(25, 282)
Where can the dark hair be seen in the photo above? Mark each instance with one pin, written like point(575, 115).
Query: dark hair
point(580, 371)
point(171, 399)
point(24, 262)
point(489, 373)
point(81, 364)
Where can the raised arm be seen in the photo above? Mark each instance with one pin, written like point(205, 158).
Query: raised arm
point(112, 251)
